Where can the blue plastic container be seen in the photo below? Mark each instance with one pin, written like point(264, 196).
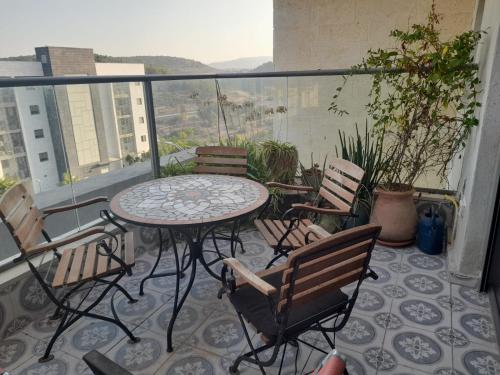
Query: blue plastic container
point(430, 234)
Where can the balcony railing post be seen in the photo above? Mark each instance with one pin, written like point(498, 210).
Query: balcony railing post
point(151, 123)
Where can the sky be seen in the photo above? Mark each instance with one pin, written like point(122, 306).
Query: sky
point(204, 30)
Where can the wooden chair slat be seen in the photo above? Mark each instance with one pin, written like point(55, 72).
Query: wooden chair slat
point(210, 169)
point(303, 228)
point(334, 200)
point(324, 274)
point(268, 236)
point(114, 264)
point(62, 268)
point(347, 167)
point(15, 218)
point(327, 260)
point(26, 226)
point(102, 263)
point(338, 190)
point(342, 180)
point(220, 161)
point(75, 271)
point(89, 268)
point(221, 150)
point(11, 198)
point(270, 224)
point(129, 248)
point(34, 237)
point(321, 289)
point(296, 234)
point(290, 238)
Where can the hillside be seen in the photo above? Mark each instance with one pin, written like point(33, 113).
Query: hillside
point(266, 67)
point(160, 64)
point(152, 64)
point(242, 64)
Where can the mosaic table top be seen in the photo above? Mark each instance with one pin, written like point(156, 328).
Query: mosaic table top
point(189, 200)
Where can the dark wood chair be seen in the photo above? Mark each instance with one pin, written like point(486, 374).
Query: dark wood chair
point(296, 228)
point(81, 268)
point(221, 160)
point(226, 161)
point(302, 294)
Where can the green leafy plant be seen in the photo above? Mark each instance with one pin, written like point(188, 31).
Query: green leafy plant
point(423, 100)
point(6, 183)
point(366, 152)
point(281, 159)
point(175, 168)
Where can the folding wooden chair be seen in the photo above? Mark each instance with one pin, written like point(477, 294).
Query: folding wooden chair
point(226, 161)
point(78, 269)
point(336, 196)
point(303, 294)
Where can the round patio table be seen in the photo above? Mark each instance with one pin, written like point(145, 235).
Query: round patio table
point(191, 206)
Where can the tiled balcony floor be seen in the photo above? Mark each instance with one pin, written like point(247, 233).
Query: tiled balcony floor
point(412, 320)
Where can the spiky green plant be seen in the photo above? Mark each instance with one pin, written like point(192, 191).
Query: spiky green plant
point(313, 175)
point(175, 168)
point(281, 159)
point(367, 153)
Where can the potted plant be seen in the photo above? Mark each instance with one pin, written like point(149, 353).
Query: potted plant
point(367, 153)
point(423, 100)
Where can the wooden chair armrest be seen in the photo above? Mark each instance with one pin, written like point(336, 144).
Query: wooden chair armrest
point(264, 273)
point(289, 187)
point(250, 277)
point(320, 210)
point(53, 210)
point(319, 231)
point(65, 241)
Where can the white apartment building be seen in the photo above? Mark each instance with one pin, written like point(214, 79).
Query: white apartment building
point(50, 133)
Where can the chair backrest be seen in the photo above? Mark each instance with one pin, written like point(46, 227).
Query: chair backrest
point(327, 265)
point(221, 160)
point(21, 217)
point(341, 183)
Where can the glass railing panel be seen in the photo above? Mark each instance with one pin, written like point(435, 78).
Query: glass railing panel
point(109, 150)
point(254, 109)
point(185, 115)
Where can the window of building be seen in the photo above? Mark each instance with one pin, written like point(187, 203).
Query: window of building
point(39, 133)
point(139, 101)
point(43, 59)
point(43, 156)
point(141, 120)
point(5, 165)
point(30, 88)
point(137, 83)
point(143, 138)
point(34, 109)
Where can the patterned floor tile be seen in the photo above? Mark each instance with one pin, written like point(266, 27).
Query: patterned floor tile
point(219, 335)
point(145, 356)
point(200, 362)
point(139, 311)
point(424, 284)
point(61, 365)
point(471, 297)
point(386, 276)
point(371, 301)
point(359, 333)
point(418, 349)
point(476, 359)
point(16, 350)
point(421, 313)
point(477, 325)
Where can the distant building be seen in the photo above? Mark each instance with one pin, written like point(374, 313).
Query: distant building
point(71, 130)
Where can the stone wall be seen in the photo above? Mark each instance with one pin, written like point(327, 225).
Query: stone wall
point(329, 34)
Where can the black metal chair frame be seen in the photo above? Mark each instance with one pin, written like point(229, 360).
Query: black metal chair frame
point(280, 251)
point(313, 323)
point(70, 315)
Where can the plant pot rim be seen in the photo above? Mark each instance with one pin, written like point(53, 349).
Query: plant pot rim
point(380, 191)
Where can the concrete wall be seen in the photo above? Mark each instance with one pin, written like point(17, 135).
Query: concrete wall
point(330, 34)
point(481, 161)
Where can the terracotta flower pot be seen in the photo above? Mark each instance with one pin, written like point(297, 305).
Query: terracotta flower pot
point(395, 211)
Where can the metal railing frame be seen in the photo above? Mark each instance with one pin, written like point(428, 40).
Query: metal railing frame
point(147, 81)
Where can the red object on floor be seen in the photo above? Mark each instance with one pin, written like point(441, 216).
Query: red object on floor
point(334, 366)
